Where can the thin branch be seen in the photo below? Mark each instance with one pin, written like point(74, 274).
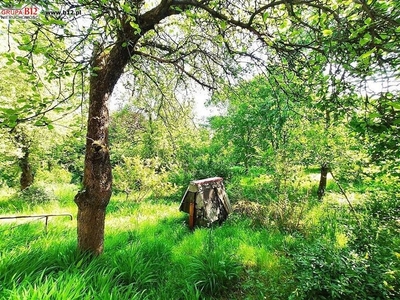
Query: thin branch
point(345, 196)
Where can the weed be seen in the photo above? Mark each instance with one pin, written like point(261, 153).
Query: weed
point(213, 271)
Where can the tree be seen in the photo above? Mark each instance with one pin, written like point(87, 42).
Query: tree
point(377, 125)
point(203, 40)
point(258, 119)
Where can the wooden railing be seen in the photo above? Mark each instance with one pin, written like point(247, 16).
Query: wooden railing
point(43, 216)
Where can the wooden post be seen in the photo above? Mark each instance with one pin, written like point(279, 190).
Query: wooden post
point(191, 215)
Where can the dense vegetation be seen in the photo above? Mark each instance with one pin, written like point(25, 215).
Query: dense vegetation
point(306, 137)
point(281, 242)
point(291, 246)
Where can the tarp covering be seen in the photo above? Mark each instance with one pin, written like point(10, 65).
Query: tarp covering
point(207, 200)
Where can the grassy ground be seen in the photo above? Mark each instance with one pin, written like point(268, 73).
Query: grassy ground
point(151, 254)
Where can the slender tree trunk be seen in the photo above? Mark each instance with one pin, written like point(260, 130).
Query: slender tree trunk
point(26, 179)
point(323, 181)
point(324, 165)
point(22, 141)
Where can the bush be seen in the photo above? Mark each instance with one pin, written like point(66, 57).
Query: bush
point(140, 179)
point(375, 235)
point(366, 266)
point(36, 194)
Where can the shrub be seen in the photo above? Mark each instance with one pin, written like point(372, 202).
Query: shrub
point(36, 194)
point(375, 235)
point(140, 179)
point(366, 266)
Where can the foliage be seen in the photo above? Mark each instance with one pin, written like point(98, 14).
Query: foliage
point(68, 153)
point(142, 178)
point(329, 273)
point(308, 99)
point(126, 133)
point(35, 91)
point(214, 271)
point(357, 259)
point(36, 194)
point(377, 125)
point(55, 175)
point(257, 122)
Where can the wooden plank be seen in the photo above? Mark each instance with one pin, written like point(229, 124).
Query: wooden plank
point(207, 180)
point(191, 215)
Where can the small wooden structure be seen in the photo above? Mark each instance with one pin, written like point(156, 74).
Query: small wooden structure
point(206, 202)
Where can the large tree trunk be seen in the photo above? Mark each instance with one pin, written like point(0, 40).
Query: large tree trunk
point(93, 199)
point(108, 67)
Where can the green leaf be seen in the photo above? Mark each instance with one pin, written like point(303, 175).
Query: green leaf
point(395, 105)
point(25, 47)
point(223, 24)
point(265, 16)
point(367, 54)
point(177, 8)
point(327, 32)
point(127, 8)
point(136, 27)
point(58, 22)
point(366, 39)
point(22, 60)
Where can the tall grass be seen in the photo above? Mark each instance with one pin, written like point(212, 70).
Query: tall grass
point(151, 254)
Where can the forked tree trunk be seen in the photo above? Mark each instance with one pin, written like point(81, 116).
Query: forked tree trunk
point(93, 199)
point(108, 67)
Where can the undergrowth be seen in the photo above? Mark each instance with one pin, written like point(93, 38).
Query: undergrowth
point(330, 252)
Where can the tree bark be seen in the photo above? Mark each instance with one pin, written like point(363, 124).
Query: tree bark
point(93, 199)
point(107, 68)
point(22, 140)
point(26, 179)
point(323, 181)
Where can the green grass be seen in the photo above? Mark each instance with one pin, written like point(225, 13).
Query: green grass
point(151, 254)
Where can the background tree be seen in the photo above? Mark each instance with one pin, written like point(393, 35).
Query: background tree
point(257, 122)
